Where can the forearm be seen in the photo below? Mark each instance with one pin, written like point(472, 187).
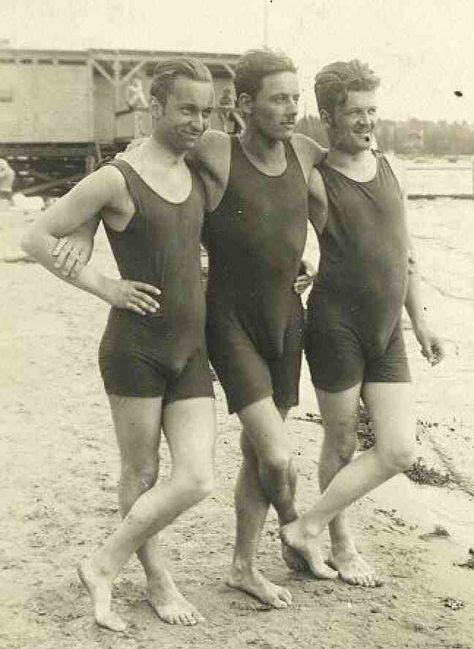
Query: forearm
point(414, 303)
point(40, 246)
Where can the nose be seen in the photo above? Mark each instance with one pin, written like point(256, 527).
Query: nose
point(292, 107)
point(365, 118)
point(198, 122)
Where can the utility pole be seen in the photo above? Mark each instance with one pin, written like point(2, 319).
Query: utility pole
point(265, 22)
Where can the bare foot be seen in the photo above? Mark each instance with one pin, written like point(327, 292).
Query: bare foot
point(294, 536)
point(293, 559)
point(99, 588)
point(254, 583)
point(169, 604)
point(353, 569)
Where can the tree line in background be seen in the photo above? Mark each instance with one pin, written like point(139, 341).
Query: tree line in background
point(411, 137)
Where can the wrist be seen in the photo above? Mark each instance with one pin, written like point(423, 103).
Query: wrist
point(95, 283)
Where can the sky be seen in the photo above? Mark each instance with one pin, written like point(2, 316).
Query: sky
point(422, 49)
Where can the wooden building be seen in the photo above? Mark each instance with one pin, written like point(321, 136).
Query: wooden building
point(62, 111)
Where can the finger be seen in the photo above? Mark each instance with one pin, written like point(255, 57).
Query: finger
point(149, 308)
point(59, 246)
point(146, 287)
point(145, 300)
point(134, 307)
point(63, 253)
point(76, 269)
point(69, 263)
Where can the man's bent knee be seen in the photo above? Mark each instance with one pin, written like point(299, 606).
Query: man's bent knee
point(139, 479)
point(194, 488)
point(344, 447)
point(276, 463)
point(399, 459)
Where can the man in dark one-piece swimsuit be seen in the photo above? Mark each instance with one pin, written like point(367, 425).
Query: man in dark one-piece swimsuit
point(152, 355)
point(255, 233)
point(353, 343)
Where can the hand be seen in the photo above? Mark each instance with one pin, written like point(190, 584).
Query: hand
point(306, 276)
point(71, 254)
point(432, 347)
point(131, 295)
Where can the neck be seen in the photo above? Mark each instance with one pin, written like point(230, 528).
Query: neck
point(158, 145)
point(261, 147)
point(341, 158)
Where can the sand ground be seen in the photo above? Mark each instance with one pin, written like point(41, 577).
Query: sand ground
point(59, 467)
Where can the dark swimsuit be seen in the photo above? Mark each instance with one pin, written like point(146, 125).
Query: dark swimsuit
point(353, 332)
point(255, 239)
point(160, 354)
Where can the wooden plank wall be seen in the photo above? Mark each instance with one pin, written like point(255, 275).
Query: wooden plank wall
point(44, 103)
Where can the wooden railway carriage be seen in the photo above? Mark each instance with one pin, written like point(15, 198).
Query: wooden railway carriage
point(61, 112)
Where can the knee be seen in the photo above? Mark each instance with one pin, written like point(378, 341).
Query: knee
point(276, 465)
point(194, 487)
point(140, 479)
point(399, 458)
point(344, 447)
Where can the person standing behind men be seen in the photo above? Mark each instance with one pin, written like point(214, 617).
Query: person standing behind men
point(255, 233)
point(152, 355)
point(354, 343)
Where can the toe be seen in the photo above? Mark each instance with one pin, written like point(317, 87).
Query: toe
point(285, 596)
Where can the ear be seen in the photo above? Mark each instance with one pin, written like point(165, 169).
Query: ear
point(245, 103)
point(326, 118)
point(156, 108)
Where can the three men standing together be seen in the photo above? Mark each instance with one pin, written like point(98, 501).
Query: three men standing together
point(253, 193)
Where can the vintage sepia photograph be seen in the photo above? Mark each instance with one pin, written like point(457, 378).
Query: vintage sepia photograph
point(237, 307)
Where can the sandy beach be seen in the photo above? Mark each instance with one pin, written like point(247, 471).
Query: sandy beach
point(59, 468)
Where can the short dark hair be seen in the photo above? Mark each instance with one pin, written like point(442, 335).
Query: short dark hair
point(335, 80)
point(254, 65)
point(166, 72)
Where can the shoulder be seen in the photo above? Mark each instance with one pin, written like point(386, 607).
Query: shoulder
point(308, 152)
point(398, 168)
point(106, 182)
point(316, 187)
point(212, 154)
point(317, 200)
point(210, 144)
point(309, 147)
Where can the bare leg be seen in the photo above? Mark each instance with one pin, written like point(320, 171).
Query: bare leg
point(140, 463)
point(339, 414)
point(390, 408)
point(251, 507)
point(189, 426)
point(267, 477)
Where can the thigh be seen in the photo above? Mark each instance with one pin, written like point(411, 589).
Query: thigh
point(125, 360)
point(285, 371)
point(339, 412)
point(263, 424)
point(392, 366)
point(195, 381)
point(390, 406)
point(190, 429)
point(334, 354)
point(137, 425)
point(242, 371)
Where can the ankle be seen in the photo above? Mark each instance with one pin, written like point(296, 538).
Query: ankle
point(242, 566)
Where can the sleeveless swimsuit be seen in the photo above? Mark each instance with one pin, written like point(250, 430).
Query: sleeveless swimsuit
point(353, 332)
point(255, 240)
point(160, 354)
